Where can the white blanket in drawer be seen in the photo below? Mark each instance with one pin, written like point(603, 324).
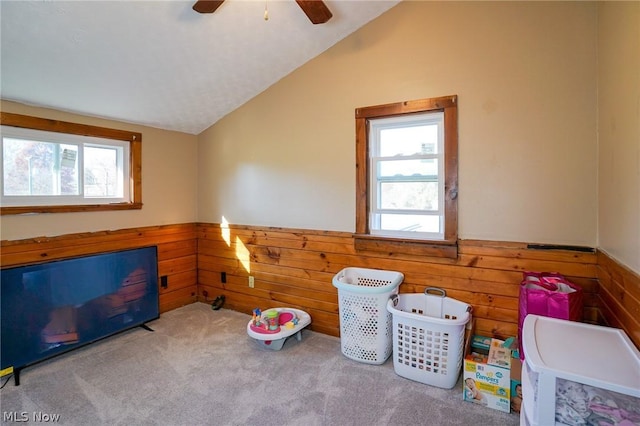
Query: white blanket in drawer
point(580, 404)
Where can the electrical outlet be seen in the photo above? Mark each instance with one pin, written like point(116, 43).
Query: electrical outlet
point(251, 281)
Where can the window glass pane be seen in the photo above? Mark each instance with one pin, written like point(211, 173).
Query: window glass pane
point(101, 174)
point(411, 223)
point(69, 170)
point(413, 140)
point(409, 195)
point(419, 168)
point(39, 168)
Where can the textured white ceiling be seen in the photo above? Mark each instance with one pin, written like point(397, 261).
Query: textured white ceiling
point(159, 63)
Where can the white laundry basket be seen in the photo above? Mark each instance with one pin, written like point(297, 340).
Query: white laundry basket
point(365, 323)
point(428, 336)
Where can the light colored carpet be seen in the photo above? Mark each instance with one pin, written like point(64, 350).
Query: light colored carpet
point(199, 367)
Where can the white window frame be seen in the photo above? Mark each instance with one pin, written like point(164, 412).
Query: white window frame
point(123, 150)
point(376, 126)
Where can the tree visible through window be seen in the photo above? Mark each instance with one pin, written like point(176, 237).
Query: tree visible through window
point(406, 157)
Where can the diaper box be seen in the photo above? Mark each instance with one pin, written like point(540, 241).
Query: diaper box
point(480, 344)
point(516, 384)
point(487, 379)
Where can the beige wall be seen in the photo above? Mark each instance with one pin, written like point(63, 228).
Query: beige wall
point(619, 131)
point(526, 78)
point(525, 74)
point(169, 184)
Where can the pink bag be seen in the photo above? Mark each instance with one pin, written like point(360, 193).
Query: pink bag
point(550, 295)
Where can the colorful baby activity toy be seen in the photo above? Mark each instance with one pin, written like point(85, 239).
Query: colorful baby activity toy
point(271, 328)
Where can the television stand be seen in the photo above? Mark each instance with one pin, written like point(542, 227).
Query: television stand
point(16, 376)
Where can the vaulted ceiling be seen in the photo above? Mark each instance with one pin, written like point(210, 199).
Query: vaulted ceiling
point(159, 63)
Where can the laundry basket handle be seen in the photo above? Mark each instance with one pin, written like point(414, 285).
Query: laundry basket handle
point(394, 299)
point(429, 290)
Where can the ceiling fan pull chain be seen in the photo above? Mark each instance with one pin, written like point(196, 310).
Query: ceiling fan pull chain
point(266, 11)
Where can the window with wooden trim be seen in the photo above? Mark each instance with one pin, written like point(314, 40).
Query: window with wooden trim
point(407, 177)
point(54, 166)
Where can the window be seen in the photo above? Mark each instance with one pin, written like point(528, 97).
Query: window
point(406, 155)
point(53, 166)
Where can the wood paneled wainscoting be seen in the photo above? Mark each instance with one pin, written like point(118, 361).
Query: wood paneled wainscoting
point(619, 296)
point(294, 268)
point(176, 244)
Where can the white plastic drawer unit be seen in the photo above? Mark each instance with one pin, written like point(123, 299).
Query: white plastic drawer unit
point(568, 362)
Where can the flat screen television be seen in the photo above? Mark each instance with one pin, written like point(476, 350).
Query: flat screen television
point(50, 308)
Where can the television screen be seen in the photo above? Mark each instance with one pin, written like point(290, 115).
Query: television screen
point(53, 307)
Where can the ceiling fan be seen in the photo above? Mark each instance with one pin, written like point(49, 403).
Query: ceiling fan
point(316, 10)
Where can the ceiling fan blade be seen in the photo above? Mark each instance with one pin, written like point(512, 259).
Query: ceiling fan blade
point(207, 6)
point(316, 10)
